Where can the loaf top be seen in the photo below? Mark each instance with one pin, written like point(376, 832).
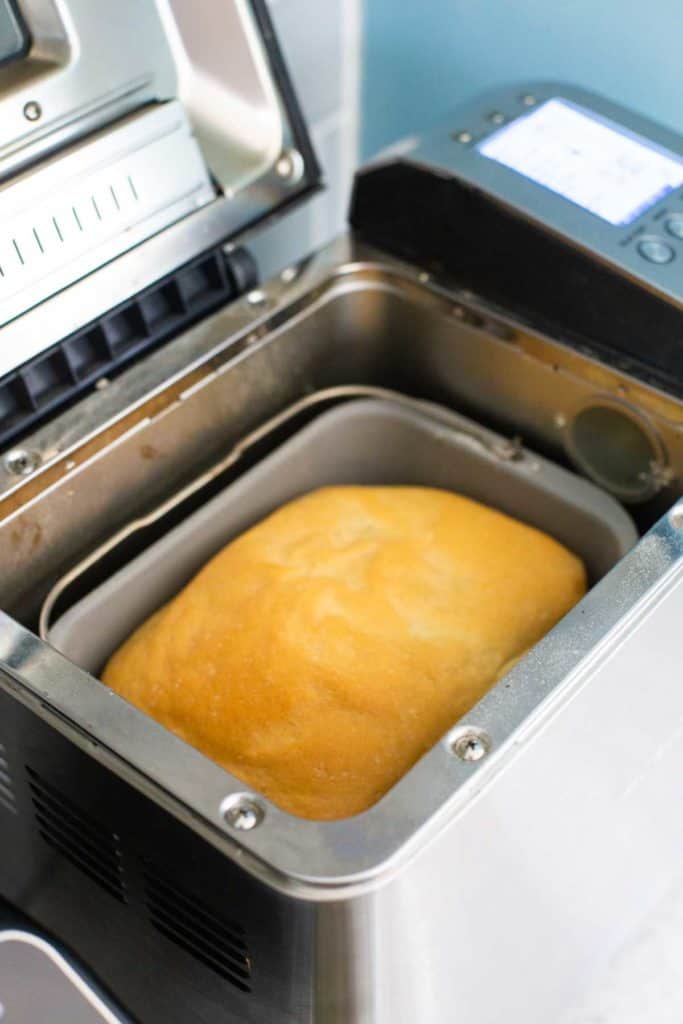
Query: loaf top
point(321, 653)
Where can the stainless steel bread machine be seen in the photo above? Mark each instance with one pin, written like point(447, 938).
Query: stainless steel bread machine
point(146, 370)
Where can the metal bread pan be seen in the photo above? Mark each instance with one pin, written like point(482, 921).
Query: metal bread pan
point(362, 442)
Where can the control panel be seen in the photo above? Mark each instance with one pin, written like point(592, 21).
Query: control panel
point(603, 178)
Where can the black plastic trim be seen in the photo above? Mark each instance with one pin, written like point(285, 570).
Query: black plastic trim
point(446, 226)
point(53, 379)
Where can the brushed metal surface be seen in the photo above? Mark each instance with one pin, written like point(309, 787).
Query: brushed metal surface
point(226, 87)
point(91, 61)
point(83, 208)
point(91, 64)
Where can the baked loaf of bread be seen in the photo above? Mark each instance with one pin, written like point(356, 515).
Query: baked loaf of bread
point(321, 653)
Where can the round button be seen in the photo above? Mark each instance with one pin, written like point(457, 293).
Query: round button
point(674, 225)
point(655, 250)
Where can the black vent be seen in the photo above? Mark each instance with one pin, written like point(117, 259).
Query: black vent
point(219, 944)
point(88, 845)
point(60, 374)
point(6, 789)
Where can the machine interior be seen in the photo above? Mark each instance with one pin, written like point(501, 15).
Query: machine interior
point(362, 325)
point(122, 467)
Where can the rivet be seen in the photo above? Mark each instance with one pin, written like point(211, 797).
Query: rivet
point(496, 117)
point(560, 420)
point(33, 111)
point(102, 384)
point(21, 462)
point(677, 517)
point(289, 274)
point(528, 99)
point(424, 277)
point(242, 812)
point(470, 743)
point(464, 137)
point(290, 166)
point(256, 297)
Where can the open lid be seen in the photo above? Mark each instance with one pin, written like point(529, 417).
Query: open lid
point(118, 120)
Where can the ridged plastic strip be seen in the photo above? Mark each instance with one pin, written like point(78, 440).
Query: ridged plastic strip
point(52, 380)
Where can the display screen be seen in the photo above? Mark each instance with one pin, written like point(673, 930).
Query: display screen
point(589, 160)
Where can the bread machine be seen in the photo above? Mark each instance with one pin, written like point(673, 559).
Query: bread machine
point(149, 154)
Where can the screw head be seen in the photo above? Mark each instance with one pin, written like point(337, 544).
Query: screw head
point(676, 517)
point(21, 462)
point(33, 111)
point(242, 812)
point(290, 166)
point(470, 743)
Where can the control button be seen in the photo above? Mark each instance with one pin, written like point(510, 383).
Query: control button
point(656, 251)
point(674, 225)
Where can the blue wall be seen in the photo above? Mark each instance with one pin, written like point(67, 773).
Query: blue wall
point(423, 57)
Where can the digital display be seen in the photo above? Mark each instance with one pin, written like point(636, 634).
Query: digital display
point(589, 160)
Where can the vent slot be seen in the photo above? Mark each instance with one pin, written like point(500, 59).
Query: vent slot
point(218, 943)
point(89, 846)
point(7, 798)
point(57, 376)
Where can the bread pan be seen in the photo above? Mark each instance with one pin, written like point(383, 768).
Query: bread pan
point(361, 442)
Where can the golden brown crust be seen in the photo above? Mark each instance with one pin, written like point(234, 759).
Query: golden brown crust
point(320, 654)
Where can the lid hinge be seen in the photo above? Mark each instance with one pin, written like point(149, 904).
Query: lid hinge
point(105, 346)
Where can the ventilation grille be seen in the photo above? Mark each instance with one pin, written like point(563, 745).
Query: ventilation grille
point(66, 828)
point(7, 799)
point(57, 376)
point(192, 925)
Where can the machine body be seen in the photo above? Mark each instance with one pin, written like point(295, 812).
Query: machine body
point(149, 373)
